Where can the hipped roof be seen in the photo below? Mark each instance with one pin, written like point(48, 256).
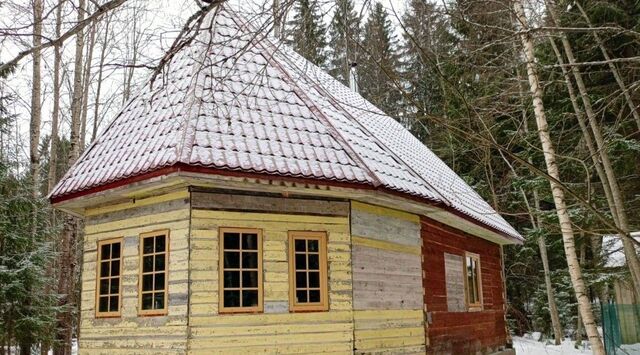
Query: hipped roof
point(237, 99)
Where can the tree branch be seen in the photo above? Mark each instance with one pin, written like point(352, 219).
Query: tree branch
point(9, 66)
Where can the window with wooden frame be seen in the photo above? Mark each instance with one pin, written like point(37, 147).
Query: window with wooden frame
point(240, 270)
point(308, 271)
point(473, 281)
point(154, 280)
point(109, 278)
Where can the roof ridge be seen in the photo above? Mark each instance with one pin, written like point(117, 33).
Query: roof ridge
point(335, 133)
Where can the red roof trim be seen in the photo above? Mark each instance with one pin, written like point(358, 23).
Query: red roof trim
point(234, 173)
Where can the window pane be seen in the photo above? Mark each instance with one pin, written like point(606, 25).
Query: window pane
point(147, 301)
point(161, 243)
point(312, 245)
point(159, 281)
point(103, 304)
point(147, 263)
point(300, 245)
point(147, 245)
point(147, 282)
point(113, 304)
point(250, 241)
point(301, 261)
point(232, 241)
point(115, 286)
point(104, 286)
point(158, 300)
point(301, 279)
point(115, 250)
point(115, 268)
point(249, 279)
point(231, 279)
point(249, 298)
point(104, 269)
point(231, 259)
point(159, 262)
point(105, 252)
point(314, 262)
point(314, 296)
point(232, 298)
point(314, 279)
point(249, 260)
point(301, 296)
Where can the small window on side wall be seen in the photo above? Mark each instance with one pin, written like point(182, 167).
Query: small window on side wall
point(308, 271)
point(473, 281)
point(153, 281)
point(109, 278)
point(240, 270)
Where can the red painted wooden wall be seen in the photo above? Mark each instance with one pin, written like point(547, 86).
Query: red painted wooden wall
point(461, 332)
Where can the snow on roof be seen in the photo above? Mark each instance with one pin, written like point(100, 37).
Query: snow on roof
point(236, 99)
point(613, 251)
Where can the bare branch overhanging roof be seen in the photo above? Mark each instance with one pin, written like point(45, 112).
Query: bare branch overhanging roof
point(237, 100)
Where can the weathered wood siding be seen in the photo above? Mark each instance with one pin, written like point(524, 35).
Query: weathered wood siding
point(387, 281)
point(131, 333)
point(276, 330)
point(461, 332)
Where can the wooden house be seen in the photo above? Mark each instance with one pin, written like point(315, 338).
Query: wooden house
point(246, 202)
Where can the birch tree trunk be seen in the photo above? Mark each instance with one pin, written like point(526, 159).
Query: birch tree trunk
point(86, 84)
point(621, 221)
point(613, 68)
point(36, 93)
point(103, 56)
point(584, 305)
point(55, 116)
point(67, 254)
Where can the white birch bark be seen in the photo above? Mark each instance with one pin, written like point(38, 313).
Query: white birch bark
point(55, 116)
point(584, 304)
point(36, 93)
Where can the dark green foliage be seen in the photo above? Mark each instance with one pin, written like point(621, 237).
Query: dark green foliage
point(306, 32)
point(378, 77)
point(344, 40)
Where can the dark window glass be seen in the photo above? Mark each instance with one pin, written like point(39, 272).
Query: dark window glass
point(115, 250)
point(300, 245)
point(147, 263)
point(147, 246)
point(147, 300)
point(312, 246)
point(314, 279)
point(301, 261)
point(113, 304)
point(104, 286)
point(105, 251)
point(104, 269)
point(159, 281)
point(249, 279)
point(147, 282)
point(249, 241)
point(301, 296)
point(301, 279)
point(115, 285)
point(249, 260)
point(231, 260)
point(314, 262)
point(232, 298)
point(103, 304)
point(115, 268)
point(232, 241)
point(231, 279)
point(314, 295)
point(159, 263)
point(158, 300)
point(249, 298)
point(160, 244)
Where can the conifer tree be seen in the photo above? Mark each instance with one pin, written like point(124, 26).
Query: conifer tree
point(378, 69)
point(306, 32)
point(344, 38)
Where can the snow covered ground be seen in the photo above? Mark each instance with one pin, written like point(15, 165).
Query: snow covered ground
point(529, 346)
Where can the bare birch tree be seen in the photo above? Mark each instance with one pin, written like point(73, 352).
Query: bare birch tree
point(584, 304)
point(36, 96)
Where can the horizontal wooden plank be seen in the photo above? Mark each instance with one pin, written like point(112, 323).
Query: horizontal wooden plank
point(268, 204)
point(383, 211)
point(381, 244)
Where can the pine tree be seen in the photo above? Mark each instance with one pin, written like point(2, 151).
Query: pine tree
point(427, 43)
point(378, 69)
point(344, 38)
point(306, 32)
